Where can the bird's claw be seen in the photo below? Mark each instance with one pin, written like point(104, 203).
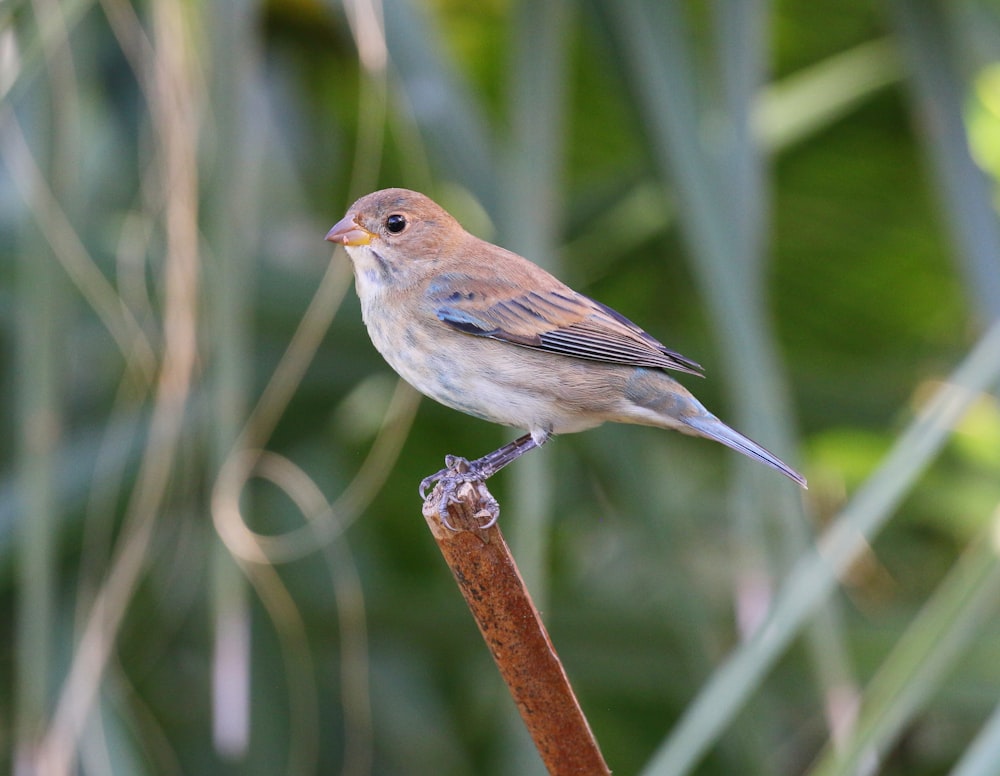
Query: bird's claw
point(454, 468)
point(459, 472)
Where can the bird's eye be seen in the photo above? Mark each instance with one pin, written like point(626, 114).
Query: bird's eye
point(395, 223)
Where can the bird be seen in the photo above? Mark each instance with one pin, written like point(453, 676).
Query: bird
point(487, 332)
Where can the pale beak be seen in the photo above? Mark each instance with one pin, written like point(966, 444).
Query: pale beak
point(347, 232)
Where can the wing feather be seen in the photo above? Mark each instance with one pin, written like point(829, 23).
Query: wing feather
point(558, 321)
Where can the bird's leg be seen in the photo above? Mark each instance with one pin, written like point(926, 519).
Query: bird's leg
point(483, 468)
point(458, 471)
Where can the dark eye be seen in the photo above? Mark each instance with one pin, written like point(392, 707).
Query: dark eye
point(395, 223)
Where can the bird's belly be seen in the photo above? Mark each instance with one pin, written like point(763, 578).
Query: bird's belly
point(485, 391)
point(491, 380)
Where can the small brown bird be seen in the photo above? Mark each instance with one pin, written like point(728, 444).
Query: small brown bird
point(483, 330)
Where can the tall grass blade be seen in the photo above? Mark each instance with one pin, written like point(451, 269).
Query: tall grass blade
point(932, 52)
point(963, 603)
point(814, 576)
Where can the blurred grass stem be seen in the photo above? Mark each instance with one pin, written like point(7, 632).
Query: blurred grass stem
point(175, 112)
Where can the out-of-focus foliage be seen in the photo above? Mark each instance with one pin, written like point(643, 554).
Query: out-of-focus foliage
point(800, 196)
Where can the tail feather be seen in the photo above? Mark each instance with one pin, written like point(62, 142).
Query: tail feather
point(711, 427)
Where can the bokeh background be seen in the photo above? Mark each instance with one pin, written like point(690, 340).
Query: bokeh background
point(212, 558)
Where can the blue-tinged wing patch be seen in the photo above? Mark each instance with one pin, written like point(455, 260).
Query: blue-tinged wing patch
point(558, 321)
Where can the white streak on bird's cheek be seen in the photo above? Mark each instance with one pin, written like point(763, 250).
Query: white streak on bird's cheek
point(363, 283)
point(372, 274)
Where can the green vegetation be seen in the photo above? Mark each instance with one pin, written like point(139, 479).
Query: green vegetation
point(212, 558)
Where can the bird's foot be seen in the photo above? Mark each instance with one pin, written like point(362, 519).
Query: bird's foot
point(460, 475)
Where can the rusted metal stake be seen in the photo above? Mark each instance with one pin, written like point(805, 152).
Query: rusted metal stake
point(514, 632)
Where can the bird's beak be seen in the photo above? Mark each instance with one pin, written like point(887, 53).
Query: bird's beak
point(347, 232)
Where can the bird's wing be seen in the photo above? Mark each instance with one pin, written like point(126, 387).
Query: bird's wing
point(558, 320)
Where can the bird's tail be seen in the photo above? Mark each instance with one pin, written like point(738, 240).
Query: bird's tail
point(709, 426)
point(656, 399)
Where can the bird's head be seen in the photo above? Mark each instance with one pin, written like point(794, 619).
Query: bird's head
point(397, 224)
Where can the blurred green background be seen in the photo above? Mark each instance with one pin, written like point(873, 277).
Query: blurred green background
point(212, 558)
